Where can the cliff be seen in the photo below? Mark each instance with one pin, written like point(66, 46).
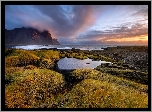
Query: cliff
point(28, 36)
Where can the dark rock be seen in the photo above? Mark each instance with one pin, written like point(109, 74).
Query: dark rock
point(105, 64)
point(73, 48)
point(28, 36)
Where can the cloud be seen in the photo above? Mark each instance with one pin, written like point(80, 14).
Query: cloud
point(117, 34)
point(143, 12)
point(52, 18)
point(73, 24)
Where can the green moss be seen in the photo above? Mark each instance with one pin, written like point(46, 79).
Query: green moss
point(30, 87)
point(33, 88)
point(62, 55)
point(27, 58)
point(105, 58)
point(47, 54)
point(12, 61)
point(93, 57)
point(80, 57)
point(92, 93)
point(46, 63)
point(31, 67)
point(81, 74)
point(10, 70)
point(128, 74)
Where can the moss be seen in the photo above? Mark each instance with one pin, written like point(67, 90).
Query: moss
point(10, 70)
point(46, 63)
point(30, 87)
point(62, 55)
point(93, 57)
point(80, 57)
point(81, 74)
point(35, 57)
point(91, 93)
point(31, 67)
point(105, 58)
point(12, 61)
point(128, 74)
point(33, 88)
point(27, 58)
point(8, 52)
point(120, 63)
point(9, 79)
point(47, 54)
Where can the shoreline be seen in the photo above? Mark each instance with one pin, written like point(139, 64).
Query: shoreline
point(28, 71)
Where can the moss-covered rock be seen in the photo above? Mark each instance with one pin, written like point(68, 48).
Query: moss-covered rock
point(33, 88)
point(12, 61)
point(92, 93)
point(46, 63)
point(82, 74)
point(127, 74)
point(27, 58)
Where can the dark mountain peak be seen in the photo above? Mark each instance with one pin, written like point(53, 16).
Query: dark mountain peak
point(46, 34)
point(45, 31)
point(28, 36)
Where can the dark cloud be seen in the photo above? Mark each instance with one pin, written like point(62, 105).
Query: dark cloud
point(55, 13)
point(70, 24)
point(53, 18)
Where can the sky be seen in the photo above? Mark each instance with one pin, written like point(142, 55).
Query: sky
point(84, 24)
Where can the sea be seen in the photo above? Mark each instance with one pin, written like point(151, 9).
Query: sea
point(81, 47)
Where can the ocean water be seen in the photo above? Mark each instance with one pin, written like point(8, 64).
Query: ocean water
point(73, 63)
point(81, 47)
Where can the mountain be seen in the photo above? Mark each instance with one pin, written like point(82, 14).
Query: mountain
point(28, 36)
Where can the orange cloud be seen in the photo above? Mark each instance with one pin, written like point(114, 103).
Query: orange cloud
point(87, 21)
point(142, 39)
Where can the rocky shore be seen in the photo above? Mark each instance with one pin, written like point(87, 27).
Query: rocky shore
point(125, 57)
point(129, 62)
point(33, 79)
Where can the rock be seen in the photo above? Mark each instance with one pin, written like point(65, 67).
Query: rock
point(28, 36)
point(105, 64)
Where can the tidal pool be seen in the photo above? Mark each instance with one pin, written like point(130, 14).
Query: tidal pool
point(73, 63)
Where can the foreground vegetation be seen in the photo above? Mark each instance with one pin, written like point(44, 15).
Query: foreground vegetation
point(31, 81)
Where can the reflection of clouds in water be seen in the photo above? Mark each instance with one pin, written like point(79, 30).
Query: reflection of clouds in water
point(73, 63)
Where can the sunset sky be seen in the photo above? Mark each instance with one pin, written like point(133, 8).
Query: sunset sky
point(83, 24)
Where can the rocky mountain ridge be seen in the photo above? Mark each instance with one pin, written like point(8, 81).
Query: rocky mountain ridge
point(28, 36)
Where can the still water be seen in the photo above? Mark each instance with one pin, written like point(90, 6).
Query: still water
point(73, 63)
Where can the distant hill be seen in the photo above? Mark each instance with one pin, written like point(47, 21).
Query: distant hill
point(28, 36)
